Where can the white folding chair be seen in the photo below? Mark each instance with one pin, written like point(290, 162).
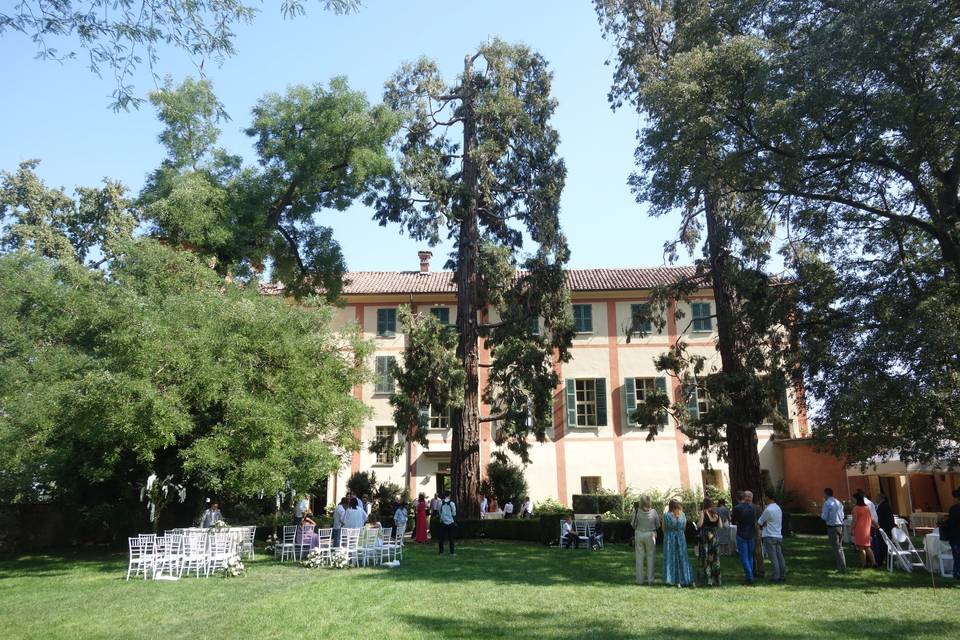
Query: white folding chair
point(194, 557)
point(249, 535)
point(349, 543)
point(168, 555)
point(138, 561)
point(901, 538)
point(304, 539)
point(287, 544)
point(324, 542)
point(945, 559)
point(222, 548)
point(370, 545)
point(392, 543)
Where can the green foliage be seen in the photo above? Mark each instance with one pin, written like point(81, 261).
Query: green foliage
point(319, 148)
point(162, 367)
point(506, 482)
point(120, 35)
point(362, 483)
point(479, 164)
point(86, 228)
point(836, 123)
point(385, 495)
point(549, 505)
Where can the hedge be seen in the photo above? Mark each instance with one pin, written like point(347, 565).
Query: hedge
point(807, 523)
point(526, 530)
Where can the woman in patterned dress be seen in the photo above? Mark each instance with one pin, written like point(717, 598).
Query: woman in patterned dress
point(708, 554)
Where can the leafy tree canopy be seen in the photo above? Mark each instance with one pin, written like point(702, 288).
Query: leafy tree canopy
point(154, 364)
point(319, 148)
point(121, 35)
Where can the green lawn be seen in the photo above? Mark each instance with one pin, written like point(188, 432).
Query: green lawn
point(489, 590)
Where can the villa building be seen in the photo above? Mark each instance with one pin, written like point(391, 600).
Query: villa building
point(592, 444)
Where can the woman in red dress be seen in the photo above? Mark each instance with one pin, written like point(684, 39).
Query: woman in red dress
point(420, 534)
point(862, 525)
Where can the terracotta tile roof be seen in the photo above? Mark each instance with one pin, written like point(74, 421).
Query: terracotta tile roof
point(404, 282)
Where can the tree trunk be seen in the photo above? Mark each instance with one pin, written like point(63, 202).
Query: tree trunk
point(465, 454)
point(743, 458)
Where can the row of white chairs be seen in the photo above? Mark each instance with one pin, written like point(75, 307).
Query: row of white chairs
point(171, 555)
point(372, 545)
point(244, 535)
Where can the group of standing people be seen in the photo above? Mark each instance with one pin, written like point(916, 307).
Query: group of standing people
point(445, 510)
point(489, 505)
point(677, 570)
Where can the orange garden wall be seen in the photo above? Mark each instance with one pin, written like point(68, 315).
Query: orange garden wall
point(806, 472)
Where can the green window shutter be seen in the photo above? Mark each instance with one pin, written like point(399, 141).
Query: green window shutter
point(571, 403)
point(384, 374)
point(690, 391)
point(783, 406)
point(601, 387)
point(583, 318)
point(424, 419)
point(442, 314)
point(661, 383)
point(381, 322)
point(701, 316)
point(630, 399)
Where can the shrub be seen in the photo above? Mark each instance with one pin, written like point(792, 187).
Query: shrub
point(385, 495)
point(807, 523)
point(550, 505)
point(585, 503)
point(363, 483)
point(506, 481)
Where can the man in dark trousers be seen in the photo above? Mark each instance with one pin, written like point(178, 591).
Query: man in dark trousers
point(744, 517)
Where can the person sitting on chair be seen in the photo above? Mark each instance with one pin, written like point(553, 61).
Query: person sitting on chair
point(568, 534)
point(596, 540)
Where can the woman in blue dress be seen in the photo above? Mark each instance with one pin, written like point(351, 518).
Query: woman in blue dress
point(676, 564)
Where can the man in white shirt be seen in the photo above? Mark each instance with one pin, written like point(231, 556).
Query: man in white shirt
point(508, 509)
point(448, 523)
point(435, 505)
point(302, 505)
point(526, 509)
point(771, 536)
point(483, 504)
point(832, 516)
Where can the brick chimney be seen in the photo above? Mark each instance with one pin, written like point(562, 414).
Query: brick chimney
point(424, 260)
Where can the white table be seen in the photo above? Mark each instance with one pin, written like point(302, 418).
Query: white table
point(931, 548)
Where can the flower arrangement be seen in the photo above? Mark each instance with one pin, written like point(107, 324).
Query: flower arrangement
point(221, 524)
point(339, 559)
point(314, 560)
point(234, 568)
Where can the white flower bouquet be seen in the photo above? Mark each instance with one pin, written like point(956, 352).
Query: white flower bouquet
point(220, 524)
point(339, 559)
point(314, 560)
point(234, 568)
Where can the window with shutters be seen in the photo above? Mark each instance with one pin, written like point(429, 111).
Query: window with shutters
point(702, 317)
point(583, 318)
point(698, 400)
point(535, 326)
point(386, 323)
point(442, 314)
point(384, 374)
point(434, 417)
point(590, 484)
point(640, 319)
point(587, 402)
point(638, 391)
point(385, 434)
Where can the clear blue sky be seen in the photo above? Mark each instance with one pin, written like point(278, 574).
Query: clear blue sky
point(59, 113)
